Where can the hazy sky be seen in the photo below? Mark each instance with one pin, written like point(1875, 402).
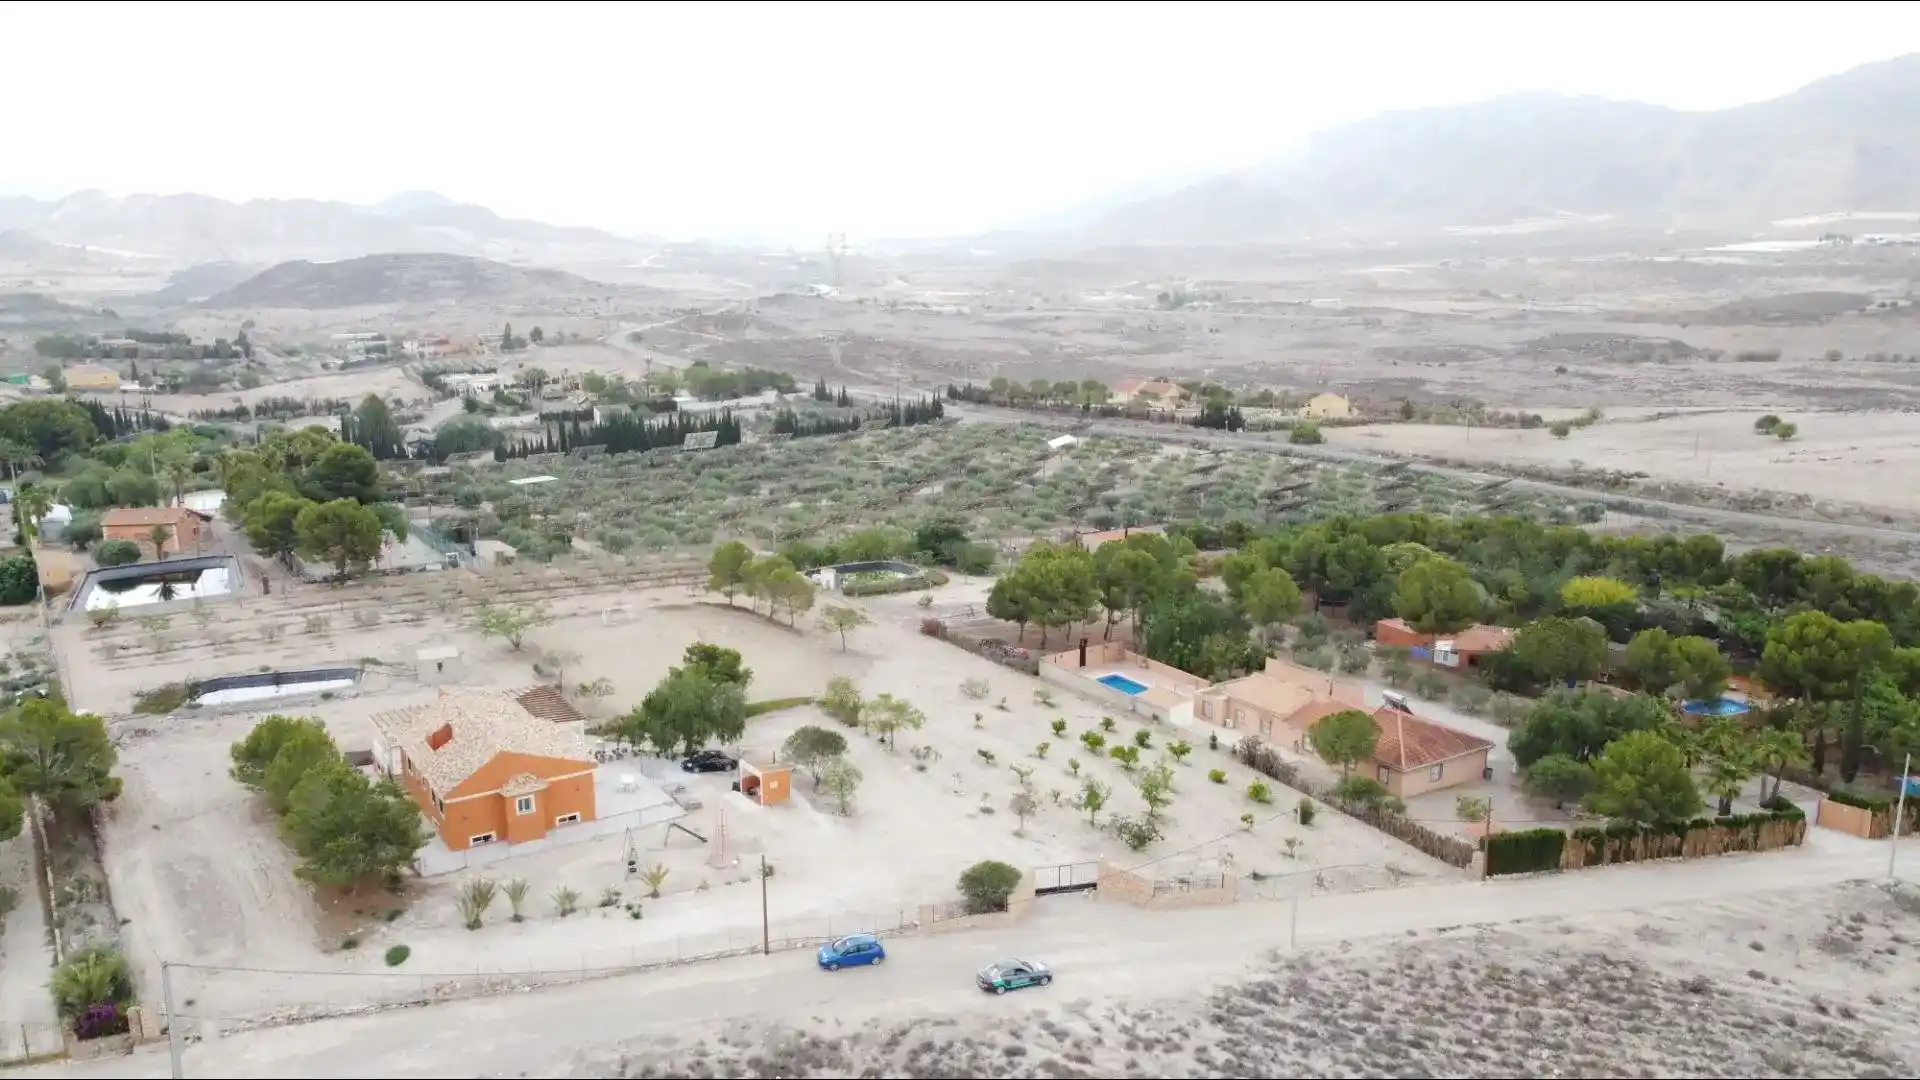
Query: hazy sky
point(794, 119)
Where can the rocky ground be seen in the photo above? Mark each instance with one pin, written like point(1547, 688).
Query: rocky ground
point(1823, 988)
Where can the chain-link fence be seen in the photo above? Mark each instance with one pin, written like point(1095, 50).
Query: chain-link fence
point(23, 1043)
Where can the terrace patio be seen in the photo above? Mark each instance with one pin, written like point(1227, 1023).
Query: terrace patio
point(1122, 679)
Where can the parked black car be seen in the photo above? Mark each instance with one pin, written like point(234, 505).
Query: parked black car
point(709, 761)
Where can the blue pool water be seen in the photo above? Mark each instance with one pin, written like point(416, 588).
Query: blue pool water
point(1718, 707)
point(1122, 684)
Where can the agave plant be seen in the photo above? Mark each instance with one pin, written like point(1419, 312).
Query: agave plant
point(92, 976)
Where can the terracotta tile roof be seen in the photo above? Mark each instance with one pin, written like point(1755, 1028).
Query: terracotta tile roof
point(1482, 638)
point(1408, 743)
point(482, 726)
point(548, 702)
point(1312, 713)
point(144, 516)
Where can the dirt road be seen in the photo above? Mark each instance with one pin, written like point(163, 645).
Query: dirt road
point(1099, 950)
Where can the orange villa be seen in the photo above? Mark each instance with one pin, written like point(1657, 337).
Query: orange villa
point(180, 525)
point(491, 768)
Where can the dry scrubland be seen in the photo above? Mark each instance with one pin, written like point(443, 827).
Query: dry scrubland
point(1733, 990)
point(1834, 458)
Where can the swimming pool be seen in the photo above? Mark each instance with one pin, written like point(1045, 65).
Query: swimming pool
point(1724, 706)
point(1122, 684)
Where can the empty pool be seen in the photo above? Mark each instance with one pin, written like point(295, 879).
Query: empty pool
point(1122, 684)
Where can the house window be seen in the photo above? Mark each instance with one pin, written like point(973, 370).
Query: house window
point(1380, 774)
point(438, 805)
point(523, 805)
point(483, 838)
point(1434, 773)
point(567, 819)
point(1266, 726)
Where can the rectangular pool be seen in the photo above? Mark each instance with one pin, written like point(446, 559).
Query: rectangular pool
point(1122, 684)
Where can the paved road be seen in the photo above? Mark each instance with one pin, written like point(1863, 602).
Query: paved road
point(1273, 444)
point(1100, 950)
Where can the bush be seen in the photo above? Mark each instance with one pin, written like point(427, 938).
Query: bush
point(1364, 790)
point(1870, 803)
point(116, 553)
point(933, 628)
point(1218, 776)
point(1260, 792)
point(1355, 661)
point(986, 885)
point(1471, 698)
point(1430, 685)
point(95, 975)
point(1305, 433)
point(1507, 709)
point(1136, 833)
point(885, 586)
point(397, 955)
point(19, 580)
point(1265, 760)
point(1306, 810)
point(1526, 851)
point(1316, 657)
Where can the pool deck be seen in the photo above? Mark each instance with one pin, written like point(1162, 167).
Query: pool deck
point(1166, 693)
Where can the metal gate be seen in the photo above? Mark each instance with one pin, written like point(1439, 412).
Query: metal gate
point(1066, 878)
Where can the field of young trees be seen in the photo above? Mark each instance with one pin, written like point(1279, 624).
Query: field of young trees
point(1003, 482)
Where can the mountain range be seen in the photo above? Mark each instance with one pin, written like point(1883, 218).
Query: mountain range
point(189, 229)
point(1847, 143)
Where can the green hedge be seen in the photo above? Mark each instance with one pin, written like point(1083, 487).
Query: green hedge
point(1526, 851)
point(761, 708)
point(894, 585)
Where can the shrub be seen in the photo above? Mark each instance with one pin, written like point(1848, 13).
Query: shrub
point(1306, 810)
point(1305, 433)
point(1266, 760)
point(933, 628)
point(1059, 729)
point(1525, 851)
point(95, 975)
point(1766, 424)
point(1430, 685)
point(1106, 724)
point(116, 553)
point(977, 689)
point(1561, 429)
point(986, 885)
point(1364, 790)
point(1355, 661)
point(99, 1020)
point(1315, 657)
point(1259, 792)
point(1471, 698)
point(1092, 740)
point(1218, 776)
point(1138, 832)
point(397, 955)
point(1143, 738)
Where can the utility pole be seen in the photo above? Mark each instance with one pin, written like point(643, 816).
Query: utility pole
point(1899, 816)
point(766, 928)
point(173, 1021)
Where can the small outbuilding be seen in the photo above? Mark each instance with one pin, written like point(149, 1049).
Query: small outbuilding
point(765, 782)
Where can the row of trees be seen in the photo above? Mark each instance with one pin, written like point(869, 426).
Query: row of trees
point(734, 570)
point(345, 828)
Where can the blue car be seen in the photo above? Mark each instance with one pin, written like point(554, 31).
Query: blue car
point(853, 950)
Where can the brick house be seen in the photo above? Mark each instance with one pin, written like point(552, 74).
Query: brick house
point(490, 768)
point(1415, 756)
point(184, 528)
point(1278, 704)
point(1465, 649)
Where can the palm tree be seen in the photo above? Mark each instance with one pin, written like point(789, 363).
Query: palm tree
point(159, 534)
point(1731, 759)
point(177, 473)
point(1780, 749)
point(31, 505)
point(18, 455)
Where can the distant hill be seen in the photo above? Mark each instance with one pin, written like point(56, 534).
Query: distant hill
point(198, 282)
point(397, 279)
point(1850, 142)
point(202, 229)
point(18, 247)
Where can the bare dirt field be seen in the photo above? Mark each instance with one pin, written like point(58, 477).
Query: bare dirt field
point(1842, 457)
point(1722, 991)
